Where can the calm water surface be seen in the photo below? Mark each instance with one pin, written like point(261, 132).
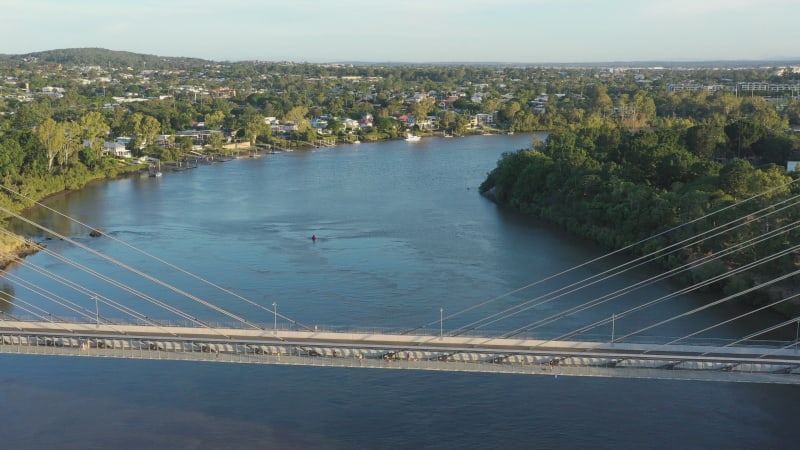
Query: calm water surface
point(402, 232)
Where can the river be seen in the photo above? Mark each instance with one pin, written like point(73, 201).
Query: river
point(402, 237)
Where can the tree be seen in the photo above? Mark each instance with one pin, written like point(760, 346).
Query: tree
point(11, 157)
point(335, 126)
point(147, 129)
point(72, 142)
point(644, 109)
point(509, 111)
point(462, 121)
point(725, 103)
point(446, 119)
point(386, 125)
point(421, 109)
point(310, 134)
point(256, 127)
point(214, 120)
point(93, 129)
point(185, 143)
point(215, 141)
point(491, 104)
point(763, 114)
point(742, 134)
point(599, 100)
point(51, 135)
point(733, 178)
point(702, 140)
point(298, 116)
point(792, 112)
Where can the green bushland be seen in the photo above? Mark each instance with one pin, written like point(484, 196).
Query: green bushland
point(618, 187)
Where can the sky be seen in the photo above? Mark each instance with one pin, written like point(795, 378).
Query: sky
point(412, 31)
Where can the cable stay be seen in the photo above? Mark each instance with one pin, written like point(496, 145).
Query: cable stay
point(610, 273)
point(660, 277)
point(164, 262)
point(134, 270)
point(615, 252)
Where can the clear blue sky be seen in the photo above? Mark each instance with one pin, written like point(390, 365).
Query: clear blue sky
point(528, 31)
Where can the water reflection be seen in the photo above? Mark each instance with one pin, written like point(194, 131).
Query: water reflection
point(88, 205)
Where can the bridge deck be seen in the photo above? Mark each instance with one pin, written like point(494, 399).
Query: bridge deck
point(402, 351)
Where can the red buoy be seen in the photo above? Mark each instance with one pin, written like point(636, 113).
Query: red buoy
point(313, 237)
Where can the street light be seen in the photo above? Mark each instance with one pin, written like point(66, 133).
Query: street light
point(441, 322)
point(613, 319)
point(96, 311)
point(275, 310)
point(797, 335)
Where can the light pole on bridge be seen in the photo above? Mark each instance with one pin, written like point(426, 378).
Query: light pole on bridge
point(613, 319)
point(275, 325)
point(96, 312)
point(797, 335)
point(441, 322)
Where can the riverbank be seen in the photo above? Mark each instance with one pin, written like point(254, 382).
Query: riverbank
point(14, 247)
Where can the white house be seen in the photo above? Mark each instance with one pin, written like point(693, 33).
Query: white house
point(117, 149)
point(349, 123)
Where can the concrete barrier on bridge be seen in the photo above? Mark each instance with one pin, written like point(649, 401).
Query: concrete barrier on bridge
point(471, 354)
point(701, 365)
point(645, 363)
point(580, 361)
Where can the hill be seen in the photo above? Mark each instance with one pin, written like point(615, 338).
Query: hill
point(101, 56)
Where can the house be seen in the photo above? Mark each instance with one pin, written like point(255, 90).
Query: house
point(428, 123)
point(350, 124)
point(319, 123)
point(418, 97)
point(448, 102)
point(116, 149)
point(481, 119)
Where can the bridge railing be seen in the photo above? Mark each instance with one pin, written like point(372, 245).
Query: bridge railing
point(604, 338)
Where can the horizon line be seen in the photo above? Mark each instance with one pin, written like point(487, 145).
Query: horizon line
point(654, 61)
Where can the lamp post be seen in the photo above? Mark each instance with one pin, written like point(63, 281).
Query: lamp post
point(275, 325)
point(441, 322)
point(613, 319)
point(797, 335)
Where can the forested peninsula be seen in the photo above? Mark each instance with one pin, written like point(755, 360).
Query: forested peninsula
point(706, 196)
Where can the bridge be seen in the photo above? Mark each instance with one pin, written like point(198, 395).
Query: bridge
point(573, 353)
point(711, 362)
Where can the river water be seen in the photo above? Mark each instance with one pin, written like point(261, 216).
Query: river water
point(402, 237)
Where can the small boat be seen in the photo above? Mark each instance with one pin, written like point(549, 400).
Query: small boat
point(155, 170)
point(411, 138)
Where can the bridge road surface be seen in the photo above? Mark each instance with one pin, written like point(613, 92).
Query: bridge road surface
point(760, 364)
